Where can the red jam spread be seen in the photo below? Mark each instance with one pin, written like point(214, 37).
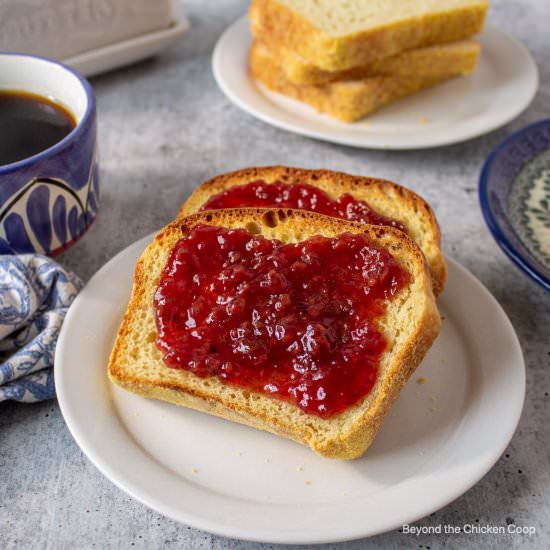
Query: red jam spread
point(294, 321)
point(297, 195)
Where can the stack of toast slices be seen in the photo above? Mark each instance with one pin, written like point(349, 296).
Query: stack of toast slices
point(351, 58)
point(408, 318)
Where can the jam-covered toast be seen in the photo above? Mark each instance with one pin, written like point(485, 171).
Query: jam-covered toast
point(383, 198)
point(402, 315)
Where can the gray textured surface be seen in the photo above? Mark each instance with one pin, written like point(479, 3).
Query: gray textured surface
point(165, 127)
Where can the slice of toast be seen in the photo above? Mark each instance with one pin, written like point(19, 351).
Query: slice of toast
point(348, 100)
point(338, 36)
point(458, 58)
point(410, 325)
point(384, 197)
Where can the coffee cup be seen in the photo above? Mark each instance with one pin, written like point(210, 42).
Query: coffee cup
point(49, 199)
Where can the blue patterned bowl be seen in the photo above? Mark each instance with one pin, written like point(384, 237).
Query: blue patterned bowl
point(47, 201)
point(514, 191)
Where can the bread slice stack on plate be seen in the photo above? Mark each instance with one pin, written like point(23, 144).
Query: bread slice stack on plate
point(294, 301)
point(348, 59)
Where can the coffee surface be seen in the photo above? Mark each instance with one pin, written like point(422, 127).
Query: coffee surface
point(30, 124)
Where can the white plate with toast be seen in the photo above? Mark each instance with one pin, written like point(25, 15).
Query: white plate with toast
point(502, 86)
point(448, 427)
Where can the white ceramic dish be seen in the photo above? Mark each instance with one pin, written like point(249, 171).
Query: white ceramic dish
point(503, 85)
point(441, 437)
point(127, 51)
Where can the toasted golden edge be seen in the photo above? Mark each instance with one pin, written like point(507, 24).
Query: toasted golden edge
point(335, 53)
point(360, 425)
point(347, 101)
point(456, 57)
point(385, 197)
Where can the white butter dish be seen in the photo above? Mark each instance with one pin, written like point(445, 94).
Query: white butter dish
point(92, 36)
point(128, 51)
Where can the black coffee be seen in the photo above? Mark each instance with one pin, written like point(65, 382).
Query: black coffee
point(30, 124)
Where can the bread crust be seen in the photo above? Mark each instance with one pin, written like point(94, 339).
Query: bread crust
point(348, 100)
point(336, 53)
point(385, 197)
point(344, 436)
point(458, 58)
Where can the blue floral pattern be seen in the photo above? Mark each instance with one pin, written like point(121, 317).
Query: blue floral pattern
point(514, 205)
point(35, 294)
point(47, 214)
point(529, 206)
point(47, 202)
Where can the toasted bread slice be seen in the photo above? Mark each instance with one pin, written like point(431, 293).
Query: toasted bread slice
point(410, 325)
point(338, 36)
point(348, 100)
point(458, 58)
point(384, 197)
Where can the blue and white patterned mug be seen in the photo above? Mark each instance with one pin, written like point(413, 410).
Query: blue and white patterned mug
point(47, 201)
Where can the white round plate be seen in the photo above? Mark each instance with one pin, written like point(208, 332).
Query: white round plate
point(503, 85)
point(440, 438)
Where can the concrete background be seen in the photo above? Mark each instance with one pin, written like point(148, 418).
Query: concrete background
point(164, 128)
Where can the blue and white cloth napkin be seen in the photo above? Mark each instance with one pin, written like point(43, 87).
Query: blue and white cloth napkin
point(35, 294)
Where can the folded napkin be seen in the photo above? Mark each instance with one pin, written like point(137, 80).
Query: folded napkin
point(35, 294)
